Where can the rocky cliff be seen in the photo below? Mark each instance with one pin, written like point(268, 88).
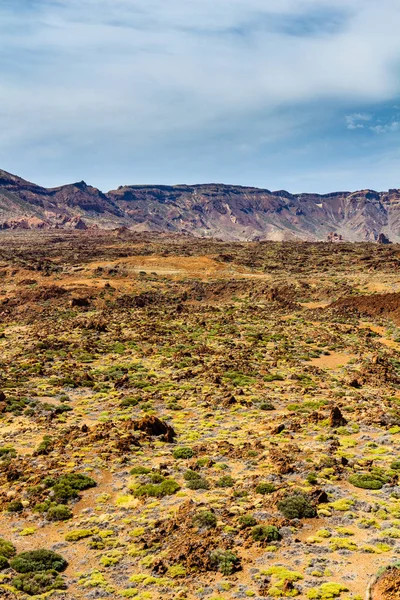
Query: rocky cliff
point(210, 210)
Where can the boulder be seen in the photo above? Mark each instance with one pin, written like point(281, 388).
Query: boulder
point(152, 425)
point(336, 418)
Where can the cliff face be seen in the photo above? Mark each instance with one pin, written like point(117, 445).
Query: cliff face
point(212, 210)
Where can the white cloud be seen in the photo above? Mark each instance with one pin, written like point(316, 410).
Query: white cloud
point(388, 128)
point(136, 72)
point(169, 61)
point(356, 120)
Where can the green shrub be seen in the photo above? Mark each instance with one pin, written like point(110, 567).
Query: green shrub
point(129, 402)
point(204, 461)
point(48, 482)
point(38, 583)
point(140, 470)
point(63, 493)
point(15, 506)
point(395, 465)
point(42, 507)
point(247, 521)
point(225, 561)
point(267, 406)
point(45, 446)
point(190, 475)
point(8, 452)
point(265, 533)
point(35, 561)
point(4, 564)
point(35, 490)
point(205, 518)
point(366, 481)
point(156, 490)
point(77, 481)
point(199, 483)
point(273, 377)
point(265, 488)
point(59, 512)
point(183, 453)
point(7, 549)
point(312, 478)
point(78, 534)
point(67, 486)
point(225, 481)
point(327, 591)
point(156, 477)
point(297, 506)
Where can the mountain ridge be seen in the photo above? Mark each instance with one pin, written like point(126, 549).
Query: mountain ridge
point(229, 212)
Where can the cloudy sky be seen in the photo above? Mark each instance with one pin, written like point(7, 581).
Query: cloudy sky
point(295, 94)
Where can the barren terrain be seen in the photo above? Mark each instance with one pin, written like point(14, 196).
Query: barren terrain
point(234, 409)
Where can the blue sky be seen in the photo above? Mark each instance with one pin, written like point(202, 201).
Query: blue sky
point(296, 94)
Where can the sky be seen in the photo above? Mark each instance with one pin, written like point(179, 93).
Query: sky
point(302, 95)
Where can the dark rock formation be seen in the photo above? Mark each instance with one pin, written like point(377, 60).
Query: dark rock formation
point(383, 239)
point(152, 425)
point(336, 418)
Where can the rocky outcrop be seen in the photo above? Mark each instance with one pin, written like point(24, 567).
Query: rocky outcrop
point(334, 237)
point(336, 419)
point(385, 586)
point(383, 239)
point(152, 425)
point(211, 210)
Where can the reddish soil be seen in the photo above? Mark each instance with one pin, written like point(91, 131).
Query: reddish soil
point(383, 305)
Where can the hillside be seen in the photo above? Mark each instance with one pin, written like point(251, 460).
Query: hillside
point(232, 213)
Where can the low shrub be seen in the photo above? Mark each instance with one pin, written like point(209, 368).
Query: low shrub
point(183, 453)
point(156, 477)
point(35, 561)
point(63, 493)
point(225, 561)
point(7, 549)
point(190, 475)
point(59, 512)
point(265, 533)
point(205, 519)
point(77, 481)
point(66, 487)
point(7, 452)
point(15, 506)
point(168, 487)
point(4, 564)
point(199, 483)
point(312, 478)
point(247, 521)
point(327, 591)
point(79, 534)
point(265, 488)
point(140, 470)
point(45, 446)
point(366, 481)
point(267, 406)
point(225, 481)
point(297, 506)
point(38, 583)
point(129, 402)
